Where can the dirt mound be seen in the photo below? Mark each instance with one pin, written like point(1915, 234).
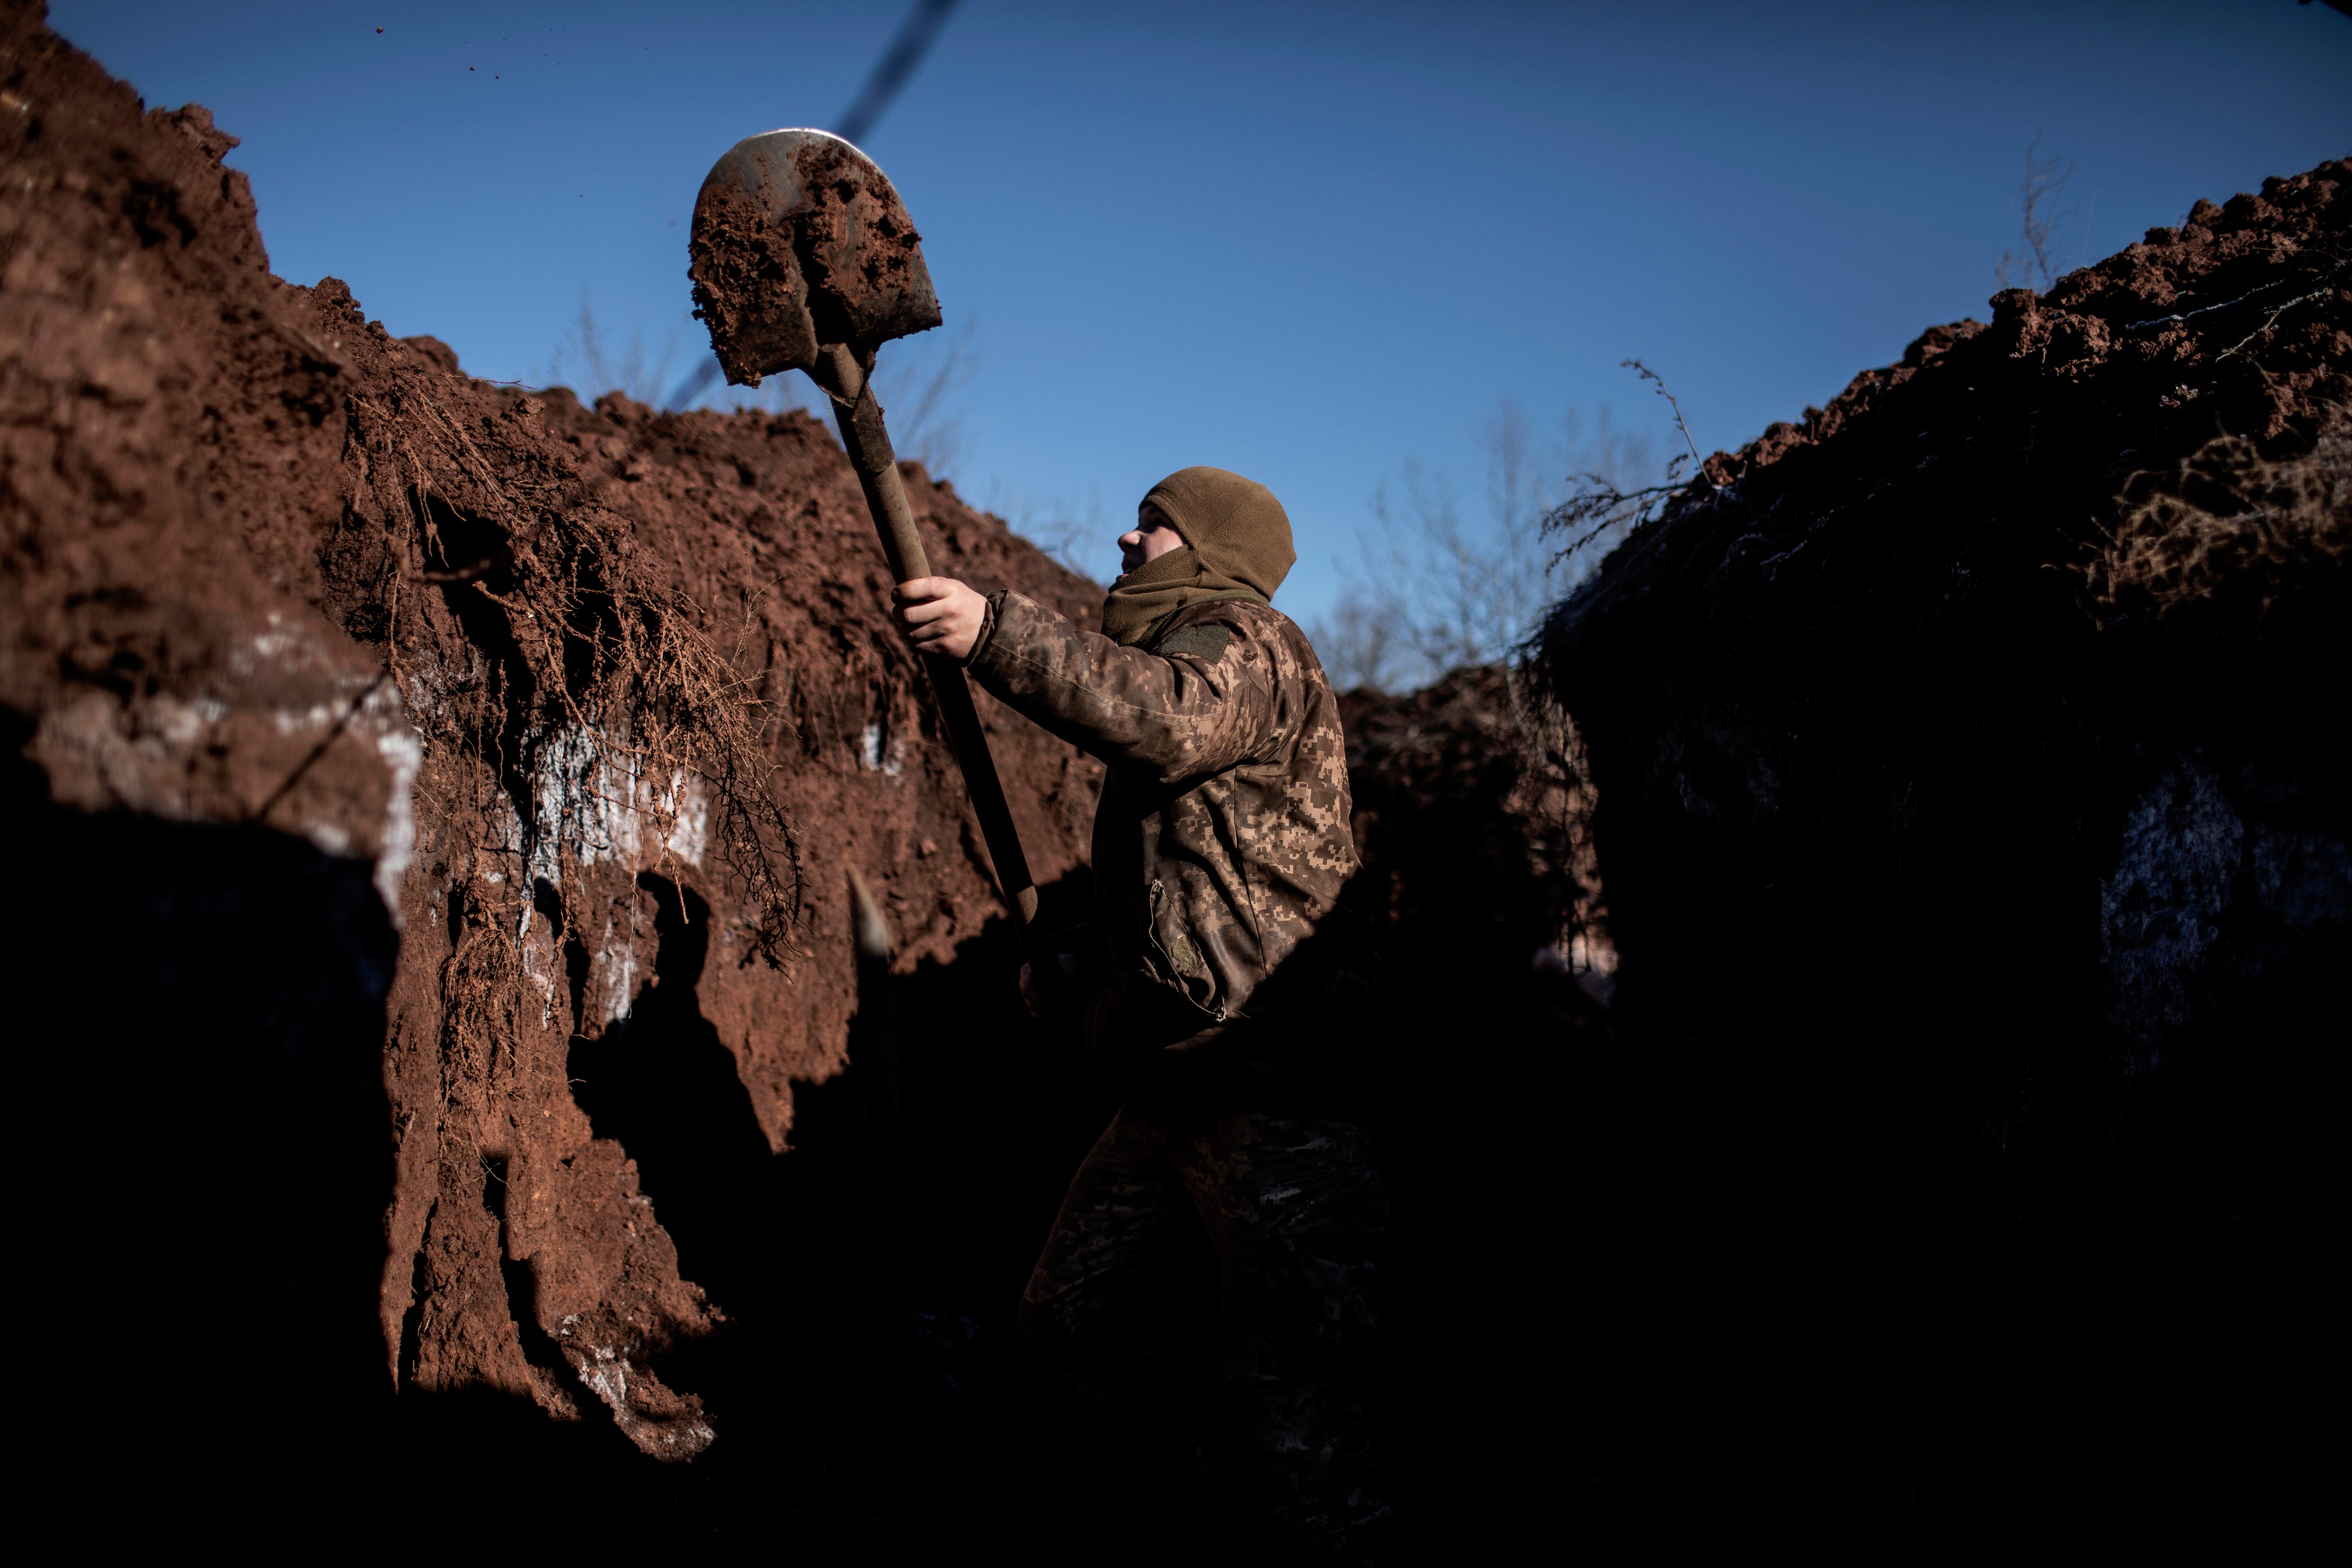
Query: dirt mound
point(1973, 806)
point(1473, 818)
point(440, 776)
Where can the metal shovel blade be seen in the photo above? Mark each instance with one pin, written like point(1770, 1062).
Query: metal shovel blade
point(804, 259)
point(800, 241)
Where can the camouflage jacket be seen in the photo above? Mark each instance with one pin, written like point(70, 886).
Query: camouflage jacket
point(1223, 838)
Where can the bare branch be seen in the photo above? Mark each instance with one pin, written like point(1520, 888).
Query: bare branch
point(1064, 530)
point(920, 381)
point(1357, 640)
point(1435, 589)
point(2037, 266)
point(1680, 424)
point(1603, 507)
point(584, 357)
point(2327, 281)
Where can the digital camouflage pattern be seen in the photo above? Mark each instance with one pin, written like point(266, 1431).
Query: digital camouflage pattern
point(1221, 840)
point(1294, 1212)
point(1221, 843)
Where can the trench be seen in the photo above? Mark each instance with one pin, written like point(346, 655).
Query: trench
point(198, 1017)
point(869, 1378)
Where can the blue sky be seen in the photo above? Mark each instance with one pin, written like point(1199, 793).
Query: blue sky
point(1309, 242)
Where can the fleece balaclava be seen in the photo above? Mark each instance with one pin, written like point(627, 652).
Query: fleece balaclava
point(1236, 546)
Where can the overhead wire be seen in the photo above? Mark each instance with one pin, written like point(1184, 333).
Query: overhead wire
point(898, 66)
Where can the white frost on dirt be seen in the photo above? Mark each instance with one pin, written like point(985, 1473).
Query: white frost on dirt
point(606, 1372)
point(620, 967)
point(889, 761)
point(608, 1376)
point(287, 702)
point(318, 716)
point(594, 796)
point(402, 750)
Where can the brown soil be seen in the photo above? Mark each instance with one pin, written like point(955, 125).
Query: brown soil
point(1973, 802)
point(432, 809)
point(417, 757)
point(1474, 821)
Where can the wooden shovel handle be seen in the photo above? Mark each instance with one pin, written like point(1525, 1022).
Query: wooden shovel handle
point(844, 376)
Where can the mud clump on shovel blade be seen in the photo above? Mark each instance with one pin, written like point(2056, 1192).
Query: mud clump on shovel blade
point(748, 291)
point(800, 241)
point(859, 249)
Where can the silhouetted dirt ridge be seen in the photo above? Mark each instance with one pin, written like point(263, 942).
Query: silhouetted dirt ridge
point(1972, 793)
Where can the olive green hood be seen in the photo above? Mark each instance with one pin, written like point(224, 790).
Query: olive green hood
point(1236, 546)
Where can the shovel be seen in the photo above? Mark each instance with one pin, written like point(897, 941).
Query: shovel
point(803, 258)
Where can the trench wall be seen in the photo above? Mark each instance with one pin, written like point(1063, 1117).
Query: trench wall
point(446, 796)
point(1972, 800)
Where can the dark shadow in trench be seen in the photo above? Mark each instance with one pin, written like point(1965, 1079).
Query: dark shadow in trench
point(870, 1374)
point(869, 1276)
point(661, 1083)
point(206, 1007)
point(196, 1022)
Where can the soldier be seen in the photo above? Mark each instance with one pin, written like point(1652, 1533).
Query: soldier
point(1219, 985)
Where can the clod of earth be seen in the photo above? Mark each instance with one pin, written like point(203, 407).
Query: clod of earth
point(799, 241)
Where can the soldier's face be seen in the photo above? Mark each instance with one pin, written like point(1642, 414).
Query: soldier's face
point(1153, 535)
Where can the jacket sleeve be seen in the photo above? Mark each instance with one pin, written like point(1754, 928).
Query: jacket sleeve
point(1170, 717)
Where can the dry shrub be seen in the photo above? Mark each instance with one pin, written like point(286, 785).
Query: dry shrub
point(600, 696)
point(2227, 524)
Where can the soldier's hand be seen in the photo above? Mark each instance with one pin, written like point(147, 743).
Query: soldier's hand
point(939, 616)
